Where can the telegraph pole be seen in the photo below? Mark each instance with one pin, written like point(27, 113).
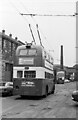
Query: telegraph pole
point(77, 34)
point(77, 43)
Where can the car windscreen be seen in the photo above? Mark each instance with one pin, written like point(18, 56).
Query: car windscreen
point(9, 84)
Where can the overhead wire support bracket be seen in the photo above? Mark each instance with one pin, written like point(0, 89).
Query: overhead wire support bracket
point(30, 30)
point(29, 14)
point(69, 15)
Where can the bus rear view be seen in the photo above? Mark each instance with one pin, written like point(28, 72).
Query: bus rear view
point(29, 72)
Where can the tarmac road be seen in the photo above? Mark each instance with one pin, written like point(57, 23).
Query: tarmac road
point(57, 105)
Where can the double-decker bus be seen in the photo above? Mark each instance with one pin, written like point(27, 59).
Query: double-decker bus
point(60, 77)
point(33, 73)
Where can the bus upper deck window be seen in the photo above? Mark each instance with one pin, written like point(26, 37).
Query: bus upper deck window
point(19, 74)
point(23, 52)
point(32, 52)
point(27, 52)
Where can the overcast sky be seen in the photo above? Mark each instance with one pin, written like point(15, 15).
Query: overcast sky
point(54, 30)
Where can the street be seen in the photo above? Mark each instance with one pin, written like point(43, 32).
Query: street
point(57, 105)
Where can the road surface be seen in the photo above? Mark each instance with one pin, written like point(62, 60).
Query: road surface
point(57, 105)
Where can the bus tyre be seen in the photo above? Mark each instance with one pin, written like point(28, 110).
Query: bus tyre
point(46, 91)
point(53, 89)
point(22, 96)
point(10, 93)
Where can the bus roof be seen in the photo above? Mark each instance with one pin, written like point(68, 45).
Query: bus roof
point(32, 46)
point(38, 47)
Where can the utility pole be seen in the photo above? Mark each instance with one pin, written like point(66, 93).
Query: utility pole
point(77, 33)
point(77, 44)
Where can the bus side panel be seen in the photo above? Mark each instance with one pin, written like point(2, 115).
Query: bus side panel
point(37, 61)
point(47, 82)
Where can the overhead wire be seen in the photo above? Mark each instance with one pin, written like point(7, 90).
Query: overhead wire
point(34, 14)
point(23, 18)
point(17, 10)
point(29, 24)
point(14, 6)
point(34, 22)
point(27, 11)
point(37, 26)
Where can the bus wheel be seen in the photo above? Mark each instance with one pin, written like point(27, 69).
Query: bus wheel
point(46, 91)
point(22, 96)
point(53, 89)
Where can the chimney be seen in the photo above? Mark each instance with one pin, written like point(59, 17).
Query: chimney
point(61, 59)
point(3, 31)
point(10, 35)
point(16, 38)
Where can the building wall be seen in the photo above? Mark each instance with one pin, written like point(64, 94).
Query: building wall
point(8, 48)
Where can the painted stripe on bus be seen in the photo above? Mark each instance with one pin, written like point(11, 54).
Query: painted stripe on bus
point(40, 71)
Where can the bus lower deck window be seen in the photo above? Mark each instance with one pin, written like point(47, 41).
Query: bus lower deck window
point(29, 74)
point(19, 74)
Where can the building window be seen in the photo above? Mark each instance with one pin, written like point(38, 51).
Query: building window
point(9, 47)
point(2, 44)
point(5, 43)
point(19, 74)
point(14, 48)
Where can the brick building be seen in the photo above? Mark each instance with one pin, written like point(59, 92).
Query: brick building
point(8, 47)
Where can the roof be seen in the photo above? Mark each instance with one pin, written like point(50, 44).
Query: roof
point(75, 66)
point(9, 38)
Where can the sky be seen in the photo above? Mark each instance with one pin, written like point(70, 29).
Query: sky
point(54, 30)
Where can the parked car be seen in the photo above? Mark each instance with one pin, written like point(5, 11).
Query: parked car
point(71, 79)
point(75, 96)
point(66, 81)
point(6, 88)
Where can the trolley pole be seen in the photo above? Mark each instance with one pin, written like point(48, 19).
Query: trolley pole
point(32, 34)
